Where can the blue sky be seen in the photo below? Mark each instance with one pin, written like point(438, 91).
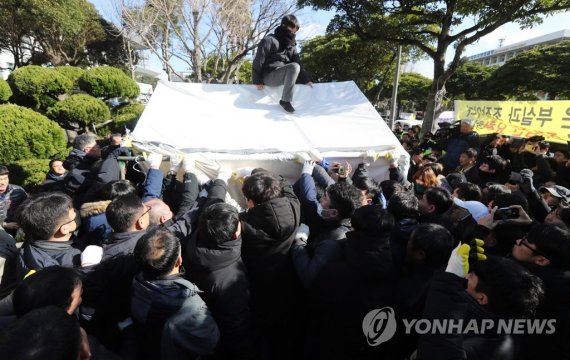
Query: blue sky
point(314, 23)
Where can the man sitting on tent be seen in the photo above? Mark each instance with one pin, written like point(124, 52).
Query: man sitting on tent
point(277, 62)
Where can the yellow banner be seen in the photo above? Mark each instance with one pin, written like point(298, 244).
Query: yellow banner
point(550, 119)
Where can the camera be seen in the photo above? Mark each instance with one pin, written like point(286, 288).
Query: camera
point(341, 170)
point(506, 213)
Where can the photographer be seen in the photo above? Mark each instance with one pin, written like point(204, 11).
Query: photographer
point(460, 140)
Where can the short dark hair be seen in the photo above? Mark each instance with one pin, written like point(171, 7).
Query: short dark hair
point(511, 290)
point(218, 224)
point(4, 170)
point(372, 219)
point(468, 191)
point(117, 188)
point(435, 241)
point(389, 187)
point(491, 192)
point(440, 198)
point(345, 198)
point(290, 21)
point(45, 333)
point(40, 214)
point(52, 285)
point(122, 212)
point(471, 153)
point(157, 252)
point(506, 200)
point(83, 140)
point(404, 205)
point(495, 162)
point(261, 187)
point(367, 184)
point(455, 178)
point(553, 241)
point(54, 160)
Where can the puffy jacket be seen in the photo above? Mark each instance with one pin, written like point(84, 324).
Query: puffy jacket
point(174, 322)
point(218, 270)
point(38, 254)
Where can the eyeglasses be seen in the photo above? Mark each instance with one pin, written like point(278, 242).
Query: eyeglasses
point(147, 210)
point(524, 242)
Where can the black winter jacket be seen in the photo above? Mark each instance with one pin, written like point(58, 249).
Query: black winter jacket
point(217, 269)
point(173, 321)
point(272, 54)
point(38, 254)
point(344, 292)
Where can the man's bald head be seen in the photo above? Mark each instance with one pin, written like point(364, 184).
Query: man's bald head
point(160, 212)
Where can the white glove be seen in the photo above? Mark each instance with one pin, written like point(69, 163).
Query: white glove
point(308, 167)
point(224, 173)
point(243, 172)
point(154, 160)
point(302, 233)
point(175, 160)
point(458, 263)
point(189, 163)
point(91, 255)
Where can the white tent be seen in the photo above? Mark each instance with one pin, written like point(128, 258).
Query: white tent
point(242, 126)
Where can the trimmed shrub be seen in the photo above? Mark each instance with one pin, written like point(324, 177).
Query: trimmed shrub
point(26, 134)
point(37, 87)
point(79, 111)
point(123, 115)
point(108, 82)
point(5, 91)
point(30, 174)
point(73, 73)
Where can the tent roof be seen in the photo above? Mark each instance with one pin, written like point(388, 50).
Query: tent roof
point(240, 119)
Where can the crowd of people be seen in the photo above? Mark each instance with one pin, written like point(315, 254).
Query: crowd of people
point(104, 264)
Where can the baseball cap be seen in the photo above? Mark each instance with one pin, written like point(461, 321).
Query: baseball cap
point(557, 191)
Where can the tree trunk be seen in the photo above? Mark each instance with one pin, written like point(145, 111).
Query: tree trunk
point(433, 107)
point(197, 46)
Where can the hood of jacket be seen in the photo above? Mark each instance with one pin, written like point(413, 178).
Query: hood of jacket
point(94, 208)
point(156, 300)
point(274, 220)
point(209, 255)
point(369, 255)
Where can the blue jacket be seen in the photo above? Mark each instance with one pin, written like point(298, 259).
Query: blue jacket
point(39, 254)
point(456, 146)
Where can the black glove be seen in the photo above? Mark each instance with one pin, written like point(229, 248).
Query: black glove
point(527, 186)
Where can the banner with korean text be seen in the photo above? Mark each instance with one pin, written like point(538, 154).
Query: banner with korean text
point(550, 119)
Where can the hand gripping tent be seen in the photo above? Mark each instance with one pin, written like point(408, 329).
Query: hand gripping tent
point(240, 126)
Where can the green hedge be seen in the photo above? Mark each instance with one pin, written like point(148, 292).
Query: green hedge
point(5, 91)
point(37, 87)
point(26, 134)
point(126, 114)
point(79, 112)
point(30, 174)
point(108, 82)
point(73, 73)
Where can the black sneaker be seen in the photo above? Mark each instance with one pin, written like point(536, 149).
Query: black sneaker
point(287, 106)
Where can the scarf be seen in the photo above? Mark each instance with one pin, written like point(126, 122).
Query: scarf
point(285, 37)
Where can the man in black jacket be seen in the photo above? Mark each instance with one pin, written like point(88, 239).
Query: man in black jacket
point(173, 321)
point(268, 230)
point(49, 221)
point(277, 62)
